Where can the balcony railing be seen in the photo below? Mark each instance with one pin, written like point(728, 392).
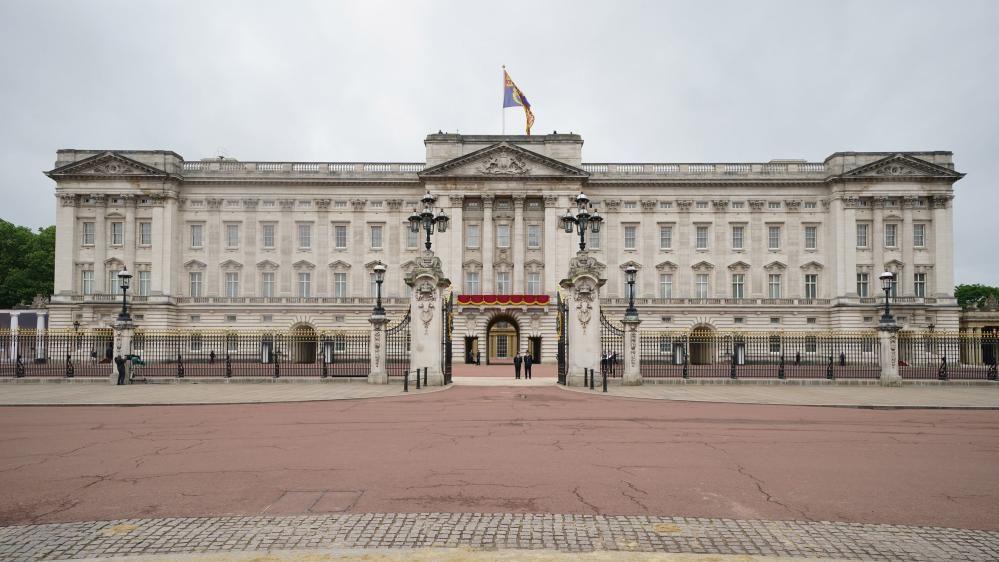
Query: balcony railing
point(223, 167)
point(815, 169)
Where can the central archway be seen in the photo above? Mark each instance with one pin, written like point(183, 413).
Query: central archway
point(502, 339)
point(303, 343)
point(702, 346)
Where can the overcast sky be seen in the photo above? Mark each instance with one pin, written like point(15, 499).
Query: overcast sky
point(641, 81)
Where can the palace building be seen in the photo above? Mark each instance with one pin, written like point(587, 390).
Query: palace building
point(780, 245)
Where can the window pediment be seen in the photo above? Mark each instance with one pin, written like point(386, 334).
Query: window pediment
point(339, 265)
point(303, 264)
point(775, 266)
point(666, 266)
point(812, 266)
point(231, 264)
point(630, 263)
point(740, 266)
point(194, 264)
point(703, 266)
point(267, 265)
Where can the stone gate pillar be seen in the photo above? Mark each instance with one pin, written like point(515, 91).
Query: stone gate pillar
point(582, 287)
point(376, 347)
point(888, 342)
point(123, 331)
point(632, 352)
point(426, 319)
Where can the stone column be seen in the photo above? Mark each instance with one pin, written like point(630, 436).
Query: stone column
point(100, 243)
point(582, 287)
point(376, 347)
point(14, 330)
point(518, 245)
point(847, 245)
point(888, 338)
point(943, 247)
point(550, 231)
point(40, 352)
point(456, 234)
point(122, 347)
point(756, 239)
point(878, 238)
point(611, 242)
point(905, 242)
point(632, 352)
point(67, 247)
point(131, 236)
point(429, 283)
point(488, 245)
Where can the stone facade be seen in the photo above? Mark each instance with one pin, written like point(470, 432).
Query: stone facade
point(758, 246)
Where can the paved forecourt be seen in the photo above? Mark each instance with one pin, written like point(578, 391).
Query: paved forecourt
point(494, 532)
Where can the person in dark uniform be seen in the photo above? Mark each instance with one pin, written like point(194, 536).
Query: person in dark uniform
point(528, 361)
point(120, 365)
point(516, 365)
point(478, 357)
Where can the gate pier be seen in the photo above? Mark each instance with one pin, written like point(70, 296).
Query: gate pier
point(428, 325)
point(582, 317)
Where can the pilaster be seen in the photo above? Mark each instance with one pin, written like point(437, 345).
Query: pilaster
point(582, 287)
point(518, 245)
point(632, 375)
point(488, 245)
point(376, 346)
point(888, 339)
point(429, 284)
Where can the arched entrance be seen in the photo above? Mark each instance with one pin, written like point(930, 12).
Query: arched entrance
point(702, 346)
point(502, 339)
point(302, 343)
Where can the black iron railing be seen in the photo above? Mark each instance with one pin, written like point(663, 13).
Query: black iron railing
point(397, 347)
point(611, 347)
point(948, 355)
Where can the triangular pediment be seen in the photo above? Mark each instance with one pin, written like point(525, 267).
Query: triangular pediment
point(504, 160)
point(267, 265)
point(739, 266)
point(194, 264)
point(534, 263)
point(107, 165)
point(471, 264)
point(900, 166)
point(666, 266)
point(703, 265)
point(775, 266)
point(631, 263)
point(303, 264)
point(812, 265)
point(231, 264)
point(340, 264)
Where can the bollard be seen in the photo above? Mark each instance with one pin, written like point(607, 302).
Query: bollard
point(425, 369)
point(605, 381)
point(417, 378)
point(593, 375)
point(405, 381)
point(586, 377)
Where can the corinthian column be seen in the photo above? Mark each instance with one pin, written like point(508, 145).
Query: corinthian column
point(518, 245)
point(487, 245)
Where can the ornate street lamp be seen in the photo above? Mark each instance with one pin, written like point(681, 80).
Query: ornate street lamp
point(379, 271)
point(124, 278)
point(629, 273)
point(427, 220)
point(887, 282)
point(584, 219)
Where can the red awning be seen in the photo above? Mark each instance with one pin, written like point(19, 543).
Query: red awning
point(492, 300)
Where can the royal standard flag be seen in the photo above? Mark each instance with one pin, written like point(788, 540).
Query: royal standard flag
point(513, 97)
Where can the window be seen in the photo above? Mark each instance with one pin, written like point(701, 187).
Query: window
point(919, 284)
point(665, 204)
point(145, 233)
point(738, 204)
point(811, 344)
point(702, 285)
point(503, 235)
point(304, 236)
point(372, 286)
point(144, 280)
point(232, 284)
point(267, 318)
point(862, 231)
point(919, 235)
point(773, 237)
point(533, 283)
point(339, 204)
point(503, 282)
point(88, 282)
point(472, 286)
point(739, 320)
point(891, 235)
point(340, 236)
point(376, 237)
point(811, 320)
point(340, 285)
point(117, 233)
point(775, 319)
point(773, 205)
point(194, 283)
point(738, 286)
point(195, 318)
point(629, 237)
point(811, 237)
point(197, 235)
point(472, 236)
point(665, 237)
point(232, 236)
point(412, 238)
point(702, 204)
point(863, 284)
point(593, 239)
point(196, 340)
point(665, 285)
point(702, 238)
point(88, 234)
point(810, 205)
point(631, 204)
point(811, 285)
point(267, 284)
point(738, 233)
point(774, 344)
point(774, 285)
point(304, 284)
point(533, 236)
point(268, 235)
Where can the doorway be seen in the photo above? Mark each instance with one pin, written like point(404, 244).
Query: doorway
point(502, 340)
point(702, 346)
point(471, 350)
point(534, 348)
point(302, 338)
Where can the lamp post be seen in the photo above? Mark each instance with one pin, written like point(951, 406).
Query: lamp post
point(887, 282)
point(427, 220)
point(124, 278)
point(629, 273)
point(379, 271)
point(583, 219)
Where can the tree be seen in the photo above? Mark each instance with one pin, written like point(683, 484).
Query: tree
point(974, 295)
point(27, 263)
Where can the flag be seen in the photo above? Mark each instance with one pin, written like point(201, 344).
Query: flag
point(513, 97)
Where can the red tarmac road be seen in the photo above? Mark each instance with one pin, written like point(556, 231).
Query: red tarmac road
point(501, 449)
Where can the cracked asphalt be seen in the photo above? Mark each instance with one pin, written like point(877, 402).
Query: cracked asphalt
point(501, 449)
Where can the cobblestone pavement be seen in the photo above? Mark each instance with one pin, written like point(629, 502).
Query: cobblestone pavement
point(566, 533)
point(194, 393)
point(865, 396)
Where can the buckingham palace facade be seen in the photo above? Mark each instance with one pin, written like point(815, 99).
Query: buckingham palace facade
point(779, 245)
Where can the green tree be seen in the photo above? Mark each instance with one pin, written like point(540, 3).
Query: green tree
point(27, 263)
point(974, 295)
